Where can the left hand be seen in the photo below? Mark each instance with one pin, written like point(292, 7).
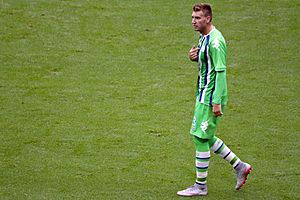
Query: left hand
point(217, 110)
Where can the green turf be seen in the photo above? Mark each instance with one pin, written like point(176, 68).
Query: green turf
point(96, 99)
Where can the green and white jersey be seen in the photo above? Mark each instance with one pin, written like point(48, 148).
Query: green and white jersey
point(212, 58)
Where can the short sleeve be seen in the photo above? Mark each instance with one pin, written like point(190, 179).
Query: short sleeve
point(217, 50)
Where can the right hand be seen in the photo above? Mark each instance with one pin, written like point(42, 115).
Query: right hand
point(193, 53)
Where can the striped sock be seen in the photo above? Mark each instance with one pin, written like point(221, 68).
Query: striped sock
point(221, 149)
point(202, 162)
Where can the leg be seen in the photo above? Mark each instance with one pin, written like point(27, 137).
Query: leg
point(202, 162)
point(220, 148)
point(242, 168)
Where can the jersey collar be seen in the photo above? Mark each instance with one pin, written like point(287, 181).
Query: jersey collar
point(213, 28)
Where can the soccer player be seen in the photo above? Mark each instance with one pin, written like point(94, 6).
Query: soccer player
point(211, 99)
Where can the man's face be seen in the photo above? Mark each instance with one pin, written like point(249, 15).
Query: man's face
point(199, 21)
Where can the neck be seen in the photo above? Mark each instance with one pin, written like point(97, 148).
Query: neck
point(209, 27)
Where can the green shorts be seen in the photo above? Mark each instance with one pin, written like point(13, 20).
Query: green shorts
point(204, 123)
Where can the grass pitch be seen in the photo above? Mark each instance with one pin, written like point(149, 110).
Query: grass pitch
point(96, 99)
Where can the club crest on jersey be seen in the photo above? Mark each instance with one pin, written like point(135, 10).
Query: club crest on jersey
point(204, 126)
point(216, 44)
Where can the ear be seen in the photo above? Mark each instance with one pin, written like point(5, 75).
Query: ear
point(208, 19)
